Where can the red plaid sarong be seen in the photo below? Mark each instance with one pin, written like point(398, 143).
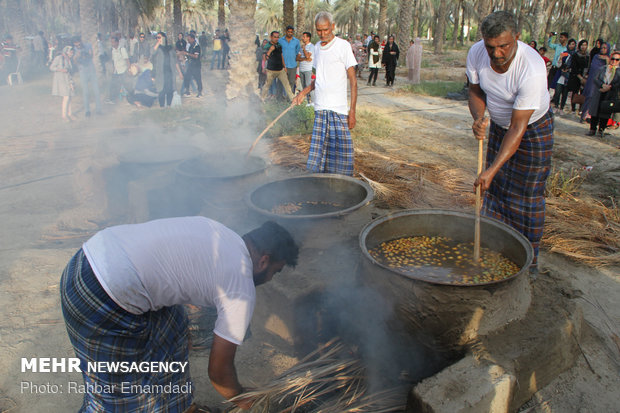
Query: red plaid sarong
point(517, 193)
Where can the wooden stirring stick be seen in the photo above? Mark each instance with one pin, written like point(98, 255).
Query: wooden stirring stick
point(478, 202)
point(266, 129)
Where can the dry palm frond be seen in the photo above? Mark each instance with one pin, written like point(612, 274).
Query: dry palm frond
point(328, 380)
point(583, 229)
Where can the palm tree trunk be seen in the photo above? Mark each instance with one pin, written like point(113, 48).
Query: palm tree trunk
point(356, 11)
point(243, 79)
point(539, 18)
point(365, 17)
point(288, 12)
point(301, 21)
point(88, 20)
point(221, 14)
point(177, 15)
point(484, 9)
point(455, 31)
point(462, 34)
point(440, 28)
point(16, 27)
point(383, 4)
point(416, 18)
point(404, 25)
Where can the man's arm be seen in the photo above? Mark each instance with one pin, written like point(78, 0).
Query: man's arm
point(222, 371)
point(301, 95)
point(510, 144)
point(353, 86)
point(477, 107)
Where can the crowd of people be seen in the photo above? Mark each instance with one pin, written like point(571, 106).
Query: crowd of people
point(588, 76)
point(284, 64)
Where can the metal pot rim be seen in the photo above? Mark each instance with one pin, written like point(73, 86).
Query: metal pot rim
point(408, 212)
point(178, 169)
point(369, 196)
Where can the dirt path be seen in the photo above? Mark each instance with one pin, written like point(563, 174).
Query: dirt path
point(51, 200)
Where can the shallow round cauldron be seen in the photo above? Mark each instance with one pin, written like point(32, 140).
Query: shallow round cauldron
point(316, 195)
point(445, 316)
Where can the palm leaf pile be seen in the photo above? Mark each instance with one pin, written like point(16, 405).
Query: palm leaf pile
point(328, 380)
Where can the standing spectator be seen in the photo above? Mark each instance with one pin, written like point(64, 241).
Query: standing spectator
point(102, 53)
point(306, 58)
point(203, 41)
point(276, 66)
point(359, 51)
point(597, 48)
point(543, 52)
point(578, 71)
point(11, 60)
point(331, 148)
point(133, 48)
point(88, 75)
point(193, 65)
point(39, 44)
point(507, 78)
point(290, 49)
point(390, 60)
point(181, 43)
point(374, 60)
point(225, 38)
point(260, 64)
point(143, 49)
point(165, 63)
point(606, 88)
point(598, 61)
point(217, 50)
point(560, 81)
point(120, 63)
point(62, 83)
point(559, 48)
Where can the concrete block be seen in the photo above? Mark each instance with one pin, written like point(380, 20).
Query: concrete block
point(468, 386)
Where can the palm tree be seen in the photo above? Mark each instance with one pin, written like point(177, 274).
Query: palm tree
point(177, 16)
point(15, 26)
point(301, 21)
point(440, 29)
point(366, 17)
point(383, 6)
point(288, 10)
point(269, 15)
point(243, 78)
point(405, 18)
point(221, 13)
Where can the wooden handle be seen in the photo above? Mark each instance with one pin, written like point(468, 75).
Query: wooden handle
point(478, 202)
point(266, 129)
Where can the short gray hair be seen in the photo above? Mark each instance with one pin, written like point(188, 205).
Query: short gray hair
point(324, 16)
point(497, 23)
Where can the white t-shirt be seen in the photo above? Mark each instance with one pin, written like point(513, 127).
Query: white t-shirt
point(522, 87)
point(189, 260)
point(119, 58)
point(330, 86)
point(306, 65)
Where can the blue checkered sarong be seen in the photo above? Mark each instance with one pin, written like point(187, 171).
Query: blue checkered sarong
point(331, 148)
point(517, 193)
point(100, 330)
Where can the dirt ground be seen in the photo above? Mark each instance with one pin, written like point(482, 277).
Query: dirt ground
point(55, 194)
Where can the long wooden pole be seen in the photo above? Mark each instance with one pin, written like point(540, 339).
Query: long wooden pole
point(478, 205)
point(267, 128)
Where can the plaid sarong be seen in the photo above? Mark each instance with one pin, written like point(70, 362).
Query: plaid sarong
point(517, 193)
point(331, 149)
point(100, 330)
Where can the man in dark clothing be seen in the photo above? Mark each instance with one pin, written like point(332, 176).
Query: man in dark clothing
point(203, 40)
point(276, 67)
point(88, 74)
point(181, 44)
point(193, 65)
point(144, 48)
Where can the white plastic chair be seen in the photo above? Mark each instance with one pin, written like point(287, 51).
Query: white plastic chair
point(15, 75)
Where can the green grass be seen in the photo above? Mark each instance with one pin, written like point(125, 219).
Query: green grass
point(436, 88)
point(298, 120)
point(371, 128)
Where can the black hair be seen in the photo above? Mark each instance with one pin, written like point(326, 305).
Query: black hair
point(535, 44)
point(290, 27)
point(193, 36)
point(275, 241)
point(565, 34)
point(275, 31)
point(308, 34)
point(543, 48)
point(582, 41)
